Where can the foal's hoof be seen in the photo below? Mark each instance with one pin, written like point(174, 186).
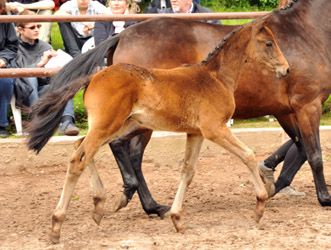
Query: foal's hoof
point(257, 217)
point(121, 202)
point(180, 228)
point(97, 218)
point(55, 238)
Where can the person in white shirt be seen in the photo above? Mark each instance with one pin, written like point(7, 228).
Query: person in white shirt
point(75, 34)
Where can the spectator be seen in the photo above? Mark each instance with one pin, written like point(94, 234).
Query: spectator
point(75, 34)
point(161, 6)
point(41, 7)
point(8, 50)
point(103, 30)
point(34, 53)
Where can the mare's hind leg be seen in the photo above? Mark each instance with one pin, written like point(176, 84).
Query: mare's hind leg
point(128, 151)
point(224, 137)
point(98, 191)
point(193, 146)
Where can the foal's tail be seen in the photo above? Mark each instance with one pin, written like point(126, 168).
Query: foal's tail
point(47, 111)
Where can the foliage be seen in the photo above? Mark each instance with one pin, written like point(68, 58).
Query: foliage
point(326, 108)
point(240, 5)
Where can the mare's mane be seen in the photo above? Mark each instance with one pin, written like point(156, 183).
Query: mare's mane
point(228, 36)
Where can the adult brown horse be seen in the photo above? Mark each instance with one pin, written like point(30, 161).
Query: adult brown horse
point(302, 30)
point(196, 99)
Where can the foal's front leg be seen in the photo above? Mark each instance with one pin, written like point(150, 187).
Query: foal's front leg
point(224, 137)
point(193, 146)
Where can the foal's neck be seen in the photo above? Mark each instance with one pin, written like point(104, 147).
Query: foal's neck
point(225, 62)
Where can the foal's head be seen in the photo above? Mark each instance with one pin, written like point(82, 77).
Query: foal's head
point(264, 50)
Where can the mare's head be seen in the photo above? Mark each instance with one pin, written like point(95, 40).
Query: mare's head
point(263, 50)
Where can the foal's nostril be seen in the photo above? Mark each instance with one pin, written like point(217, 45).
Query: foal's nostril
point(288, 71)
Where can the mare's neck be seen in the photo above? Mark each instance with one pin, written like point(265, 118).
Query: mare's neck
point(225, 62)
point(305, 14)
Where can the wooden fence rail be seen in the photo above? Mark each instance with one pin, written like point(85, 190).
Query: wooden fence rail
point(42, 72)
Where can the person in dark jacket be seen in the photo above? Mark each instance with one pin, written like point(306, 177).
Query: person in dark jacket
point(35, 53)
point(104, 30)
point(8, 50)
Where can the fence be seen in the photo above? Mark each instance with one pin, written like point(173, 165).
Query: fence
point(42, 72)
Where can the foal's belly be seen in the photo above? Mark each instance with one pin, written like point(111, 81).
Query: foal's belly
point(166, 121)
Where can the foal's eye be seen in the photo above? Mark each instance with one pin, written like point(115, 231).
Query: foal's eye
point(268, 44)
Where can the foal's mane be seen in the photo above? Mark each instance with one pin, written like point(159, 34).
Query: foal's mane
point(221, 43)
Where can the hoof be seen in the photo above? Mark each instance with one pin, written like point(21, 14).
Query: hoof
point(271, 190)
point(97, 218)
point(257, 217)
point(180, 228)
point(164, 212)
point(54, 238)
point(121, 202)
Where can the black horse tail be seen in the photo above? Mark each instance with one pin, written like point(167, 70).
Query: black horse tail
point(85, 64)
point(47, 111)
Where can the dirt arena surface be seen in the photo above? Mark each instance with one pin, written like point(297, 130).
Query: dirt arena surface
point(218, 208)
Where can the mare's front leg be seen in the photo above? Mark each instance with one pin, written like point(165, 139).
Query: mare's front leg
point(193, 146)
point(296, 155)
point(309, 120)
point(128, 151)
point(222, 135)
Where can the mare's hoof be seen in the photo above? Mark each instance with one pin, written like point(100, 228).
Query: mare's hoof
point(97, 218)
point(55, 238)
point(164, 211)
point(121, 202)
point(271, 189)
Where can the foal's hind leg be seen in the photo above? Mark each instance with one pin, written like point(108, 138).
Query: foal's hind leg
point(193, 146)
point(99, 193)
point(77, 164)
point(224, 137)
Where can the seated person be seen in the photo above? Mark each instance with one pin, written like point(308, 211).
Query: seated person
point(184, 6)
point(34, 53)
point(8, 50)
point(75, 34)
point(104, 30)
point(161, 6)
point(41, 7)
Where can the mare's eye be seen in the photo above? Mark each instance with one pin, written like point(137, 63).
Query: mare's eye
point(268, 44)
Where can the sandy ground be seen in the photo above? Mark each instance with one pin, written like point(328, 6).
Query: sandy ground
point(218, 208)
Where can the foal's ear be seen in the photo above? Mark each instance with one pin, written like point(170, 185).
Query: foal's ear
point(266, 31)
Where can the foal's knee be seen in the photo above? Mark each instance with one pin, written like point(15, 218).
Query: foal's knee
point(249, 159)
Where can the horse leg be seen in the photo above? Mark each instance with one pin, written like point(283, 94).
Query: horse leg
point(78, 161)
point(137, 148)
point(228, 141)
point(128, 151)
point(294, 159)
point(309, 119)
point(193, 146)
point(99, 193)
